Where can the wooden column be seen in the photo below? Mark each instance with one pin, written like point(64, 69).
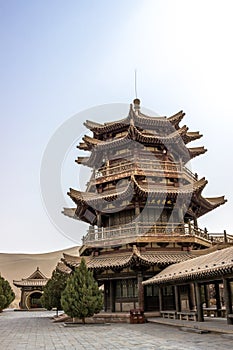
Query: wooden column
point(99, 219)
point(140, 291)
point(192, 300)
point(218, 301)
point(160, 298)
point(106, 296)
point(22, 300)
point(207, 297)
point(111, 296)
point(181, 213)
point(177, 298)
point(189, 228)
point(200, 316)
point(195, 222)
point(227, 299)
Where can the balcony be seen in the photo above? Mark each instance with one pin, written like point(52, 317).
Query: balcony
point(98, 236)
point(158, 168)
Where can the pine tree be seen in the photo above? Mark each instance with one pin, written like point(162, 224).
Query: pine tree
point(52, 291)
point(82, 297)
point(6, 294)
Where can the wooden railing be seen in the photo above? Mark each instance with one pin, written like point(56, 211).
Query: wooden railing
point(221, 237)
point(143, 166)
point(142, 229)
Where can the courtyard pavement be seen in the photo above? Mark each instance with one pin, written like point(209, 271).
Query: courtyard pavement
point(35, 330)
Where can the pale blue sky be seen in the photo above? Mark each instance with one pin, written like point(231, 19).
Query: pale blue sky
point(62, 57)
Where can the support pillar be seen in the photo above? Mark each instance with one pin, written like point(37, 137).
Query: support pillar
point(218, 301)
point(177, 298)
point(189, 228)
point(181, 214)
point(207, 297)
point(225, 236)
point(227, 299)
point(106, 296)
point(111, 297)
point(99, 219)
point(192, 300)
point(200, 316)
point(140, 291)
point(160, 298)
point(195, 222)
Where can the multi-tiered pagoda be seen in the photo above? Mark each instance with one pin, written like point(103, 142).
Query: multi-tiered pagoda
point(142, 204)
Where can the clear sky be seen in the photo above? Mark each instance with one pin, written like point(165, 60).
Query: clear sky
point(59, 58)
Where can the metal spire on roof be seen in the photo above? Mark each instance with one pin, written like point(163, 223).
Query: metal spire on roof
point(135, 83)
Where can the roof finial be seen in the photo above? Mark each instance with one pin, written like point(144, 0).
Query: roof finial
point(136, 101)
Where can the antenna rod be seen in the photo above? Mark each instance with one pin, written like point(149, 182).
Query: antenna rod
point(135, 82)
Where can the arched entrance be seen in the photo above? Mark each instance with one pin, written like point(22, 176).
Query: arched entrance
point(33, 300)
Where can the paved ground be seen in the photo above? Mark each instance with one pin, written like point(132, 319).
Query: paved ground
point(211, 324)
point(34, 331)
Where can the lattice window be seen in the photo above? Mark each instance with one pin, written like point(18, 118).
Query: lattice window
point(168, 290)
point(130, 288)
point(127, 288)
point(118, 289)
point(124, 289)
point(149, 291)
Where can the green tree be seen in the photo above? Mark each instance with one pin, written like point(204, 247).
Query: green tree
point(82, 297)
point(52, 291)
point(6, 294)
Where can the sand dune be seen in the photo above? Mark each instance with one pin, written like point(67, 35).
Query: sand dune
point(18, 266)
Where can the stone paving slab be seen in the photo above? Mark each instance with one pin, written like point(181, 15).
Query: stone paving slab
point(35, 331)
point(217, 325)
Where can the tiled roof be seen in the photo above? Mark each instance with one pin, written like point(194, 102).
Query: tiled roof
point(30, 283)
point(63, 268)
point(134, 134)
point(207, 266)
point(36, 279)
point(37, 274)
point(91, 199)
point(139, 118)
point(176, 118)
point(126, 192)
point(121, 260)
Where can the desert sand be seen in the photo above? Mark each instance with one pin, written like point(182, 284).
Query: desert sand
point(18, 266)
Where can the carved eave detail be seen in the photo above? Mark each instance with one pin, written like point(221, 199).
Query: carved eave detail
point(70, 212)
point(196, 151)
point(140, 119)
point(89, 201)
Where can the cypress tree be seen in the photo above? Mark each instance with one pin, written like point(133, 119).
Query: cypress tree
point(6, 294)
point(52, 291)
point(82, 297)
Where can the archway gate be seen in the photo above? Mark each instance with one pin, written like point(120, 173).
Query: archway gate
point(31, 289)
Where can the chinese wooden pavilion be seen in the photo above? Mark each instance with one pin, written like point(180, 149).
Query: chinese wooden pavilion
point(31, 289)
point(142, 204)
